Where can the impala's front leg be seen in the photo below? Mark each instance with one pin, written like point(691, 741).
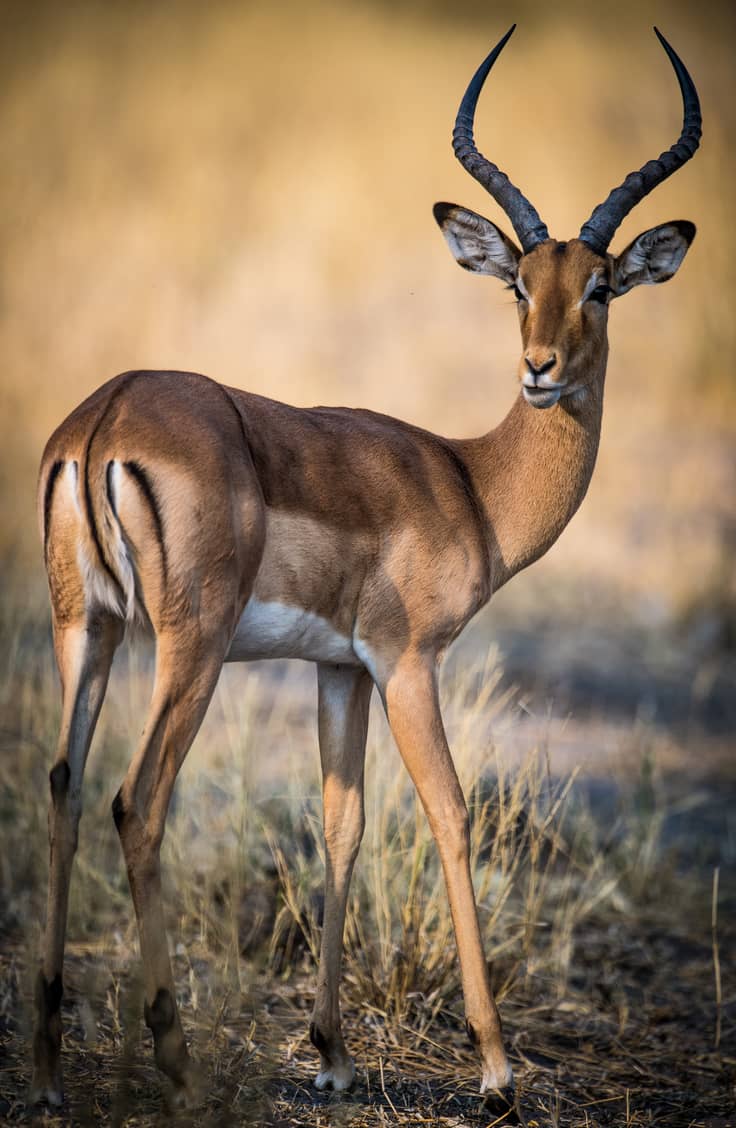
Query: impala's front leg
point(344, 697)
point(412, 705)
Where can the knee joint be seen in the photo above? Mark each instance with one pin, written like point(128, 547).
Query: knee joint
point(344, 838)
point(131, 827)
point(65, 809)
point(454, 829)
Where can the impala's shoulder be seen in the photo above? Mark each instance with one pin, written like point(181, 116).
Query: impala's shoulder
point(425, 459)
point(331, 431)
point(383, 432)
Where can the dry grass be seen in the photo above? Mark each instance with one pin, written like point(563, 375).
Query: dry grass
point(596, 919)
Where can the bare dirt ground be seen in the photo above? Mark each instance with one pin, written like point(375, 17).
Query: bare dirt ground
point(631, 1041)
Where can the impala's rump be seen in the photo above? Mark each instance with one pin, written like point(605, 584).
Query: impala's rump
point(84, 535)
point(87, 556)
point(126, 493)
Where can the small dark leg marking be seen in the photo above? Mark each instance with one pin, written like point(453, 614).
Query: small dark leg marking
point(48, 995)
point(317, 1038)
point(118, 813)
point(160, 1015)
point(170, 1052)
point(59, 777)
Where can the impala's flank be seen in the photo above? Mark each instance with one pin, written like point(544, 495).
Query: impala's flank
point(234, 528)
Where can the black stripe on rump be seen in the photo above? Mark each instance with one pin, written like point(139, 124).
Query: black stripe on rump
point(95, 532)
point(48, 494)
point(142, 480)
point(125, 380)
point(108, 488)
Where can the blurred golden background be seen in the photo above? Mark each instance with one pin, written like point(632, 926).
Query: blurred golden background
point(245, 189)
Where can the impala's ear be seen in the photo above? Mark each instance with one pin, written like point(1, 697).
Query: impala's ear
point(654, 256)
point(477, 244)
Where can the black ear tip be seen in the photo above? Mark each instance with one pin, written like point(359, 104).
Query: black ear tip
point(440, 211)
point(684, 227)
point(687, 229)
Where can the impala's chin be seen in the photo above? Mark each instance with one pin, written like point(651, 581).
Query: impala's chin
point(541, 397)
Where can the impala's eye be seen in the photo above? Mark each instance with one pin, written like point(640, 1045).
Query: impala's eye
point(600, 294)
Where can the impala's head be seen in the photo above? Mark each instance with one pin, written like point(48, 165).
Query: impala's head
point(563, 289)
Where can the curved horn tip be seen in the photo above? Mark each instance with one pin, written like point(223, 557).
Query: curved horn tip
point(672, 55)
point(524, 217)
point(502, 43)
point(598, 231)
point(665, 43)
point(482, 73)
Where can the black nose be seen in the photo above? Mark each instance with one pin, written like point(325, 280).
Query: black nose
point(548, 364)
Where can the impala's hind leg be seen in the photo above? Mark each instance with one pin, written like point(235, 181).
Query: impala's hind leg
point(344, 697)
point(187, 667)
point(84, 653)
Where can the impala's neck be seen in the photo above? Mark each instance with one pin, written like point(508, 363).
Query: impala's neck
point(531, 474)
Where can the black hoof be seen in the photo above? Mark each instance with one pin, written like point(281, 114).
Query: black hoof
point(46, 1093)
point(502, 1102)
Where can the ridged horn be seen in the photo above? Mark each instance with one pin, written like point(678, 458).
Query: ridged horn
point(525, 219)
point(599, 229)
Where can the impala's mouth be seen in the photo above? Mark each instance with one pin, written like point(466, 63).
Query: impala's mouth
point(541, 397)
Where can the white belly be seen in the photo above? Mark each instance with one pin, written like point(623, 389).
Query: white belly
point(278, 630)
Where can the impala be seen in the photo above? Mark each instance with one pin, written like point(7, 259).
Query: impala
point(236, 528)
